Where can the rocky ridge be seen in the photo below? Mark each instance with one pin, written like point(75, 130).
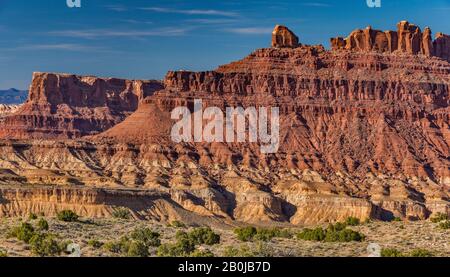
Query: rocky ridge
point(363, 133)
point(407, 39)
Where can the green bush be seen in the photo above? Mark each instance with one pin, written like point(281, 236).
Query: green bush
point(390, 252)
point(121, 213)
point(113, 247)
point(24, 232)
point(95, 243)
point(242, 252)
point(445, 225)
point(182, 248)
point(42, 225)
point(438, 217)
point(317, 234)
point(45, 245)
point(204, 236)
point(421, 253)
point(137, 249)
point(202, 254)
point(147, 236)
point(67, 216)
point(32, 216)
point(261, 234)
point(245, 233)
point(137, 245)
point(397, 219)
point(260, 249)
point(333, 233)
point(352, 221)
point(3, 253)
point(177, 224)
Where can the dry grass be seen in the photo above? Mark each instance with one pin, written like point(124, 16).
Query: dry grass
point(404, 236)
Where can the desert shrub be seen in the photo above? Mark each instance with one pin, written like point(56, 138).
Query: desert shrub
point(204, 235)
point(348, 235)
point(182, 248)
point(134, 246)
point(44, 245)
point(259, 249)
point(177, 224)
point(438, 217)
point(391, 252)
point(147, 236)
point(352, 221)
point(445, 224)
point(113, 246)
point(421, 253)
point(24, 232)
point(186, 242)
point(262, 250)
point(243, 251)
point(3, 253)
point(121, 213)
point(333, 233)
point(137, 249)
point(261, 234)
point(201, 254)
point(245, 233)
point(32, 216)
point(67, 216)
point(42, 225)
point(95, 243)
point(317, 234)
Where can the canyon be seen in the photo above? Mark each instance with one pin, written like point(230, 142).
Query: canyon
point(364, 132)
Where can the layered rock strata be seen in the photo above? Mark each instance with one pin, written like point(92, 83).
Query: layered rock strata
point(408, 38)
point(70, 106)
point(362, 133)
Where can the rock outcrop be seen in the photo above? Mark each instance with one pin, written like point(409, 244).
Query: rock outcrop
point(407, 39)
point(6, 110)
point(70, 106)
point(363, 133)
point(283, 37)
point(442, 46)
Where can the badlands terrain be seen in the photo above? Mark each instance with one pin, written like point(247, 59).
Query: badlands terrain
point(364, 133)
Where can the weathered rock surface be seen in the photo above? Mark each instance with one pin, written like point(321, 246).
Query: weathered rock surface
point(407, 39)
point(6, 110)
point(362, 133)
point(70, 106)
point(283, 37)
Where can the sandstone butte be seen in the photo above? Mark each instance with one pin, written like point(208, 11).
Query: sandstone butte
point(364, 133)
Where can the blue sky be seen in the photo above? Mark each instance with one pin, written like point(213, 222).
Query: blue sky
point(143, 39)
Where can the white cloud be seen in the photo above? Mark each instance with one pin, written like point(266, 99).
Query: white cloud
point(99, 33)
point(60, 46)
point(191, 12)
point(251, 30)
point(316, 4)
point(117, 8)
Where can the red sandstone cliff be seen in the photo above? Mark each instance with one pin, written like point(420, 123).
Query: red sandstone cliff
point(407, 39)
point(70, 106)
point(363, 133)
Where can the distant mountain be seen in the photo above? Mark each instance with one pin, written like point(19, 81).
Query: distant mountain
point(13, 96)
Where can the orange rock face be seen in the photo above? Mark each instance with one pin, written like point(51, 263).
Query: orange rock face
point(407, 39)
point(364, 132)
point(69, 106)
point(283, 37)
